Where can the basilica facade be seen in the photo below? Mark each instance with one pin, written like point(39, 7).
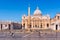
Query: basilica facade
point(37, 21)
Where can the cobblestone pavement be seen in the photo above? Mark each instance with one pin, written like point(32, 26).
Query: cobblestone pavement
point(30, 36)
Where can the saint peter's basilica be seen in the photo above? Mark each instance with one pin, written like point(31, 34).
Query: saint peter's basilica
point(37, 21)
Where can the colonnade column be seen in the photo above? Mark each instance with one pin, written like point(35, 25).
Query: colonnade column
point(0, 26)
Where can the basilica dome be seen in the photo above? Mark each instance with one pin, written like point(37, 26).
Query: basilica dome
point(37, 12)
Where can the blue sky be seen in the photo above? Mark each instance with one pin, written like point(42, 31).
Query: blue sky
point(15, 9)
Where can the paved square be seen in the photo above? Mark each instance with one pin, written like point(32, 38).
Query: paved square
point(30, 36)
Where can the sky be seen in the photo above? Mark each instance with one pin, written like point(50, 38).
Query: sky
point(13, 10)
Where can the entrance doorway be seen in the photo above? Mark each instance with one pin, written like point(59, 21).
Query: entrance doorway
point(56, 27)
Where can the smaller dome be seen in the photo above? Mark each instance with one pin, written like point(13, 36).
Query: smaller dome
point(48, 15)
point(24, 15)
point(37, 11)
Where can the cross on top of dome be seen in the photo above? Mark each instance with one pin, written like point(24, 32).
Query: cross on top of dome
point(37, 7)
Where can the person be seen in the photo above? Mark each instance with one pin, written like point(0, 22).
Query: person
point(12, 34)
point(39, 34)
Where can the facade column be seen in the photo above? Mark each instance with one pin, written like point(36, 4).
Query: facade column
point(7, 26)
point(39, 24)
point(32, 24)
point(45, 25)
point(26, 26)
point(11, 27)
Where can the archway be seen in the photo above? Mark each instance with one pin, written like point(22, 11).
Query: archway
point(56, 27)
point(9, 26)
